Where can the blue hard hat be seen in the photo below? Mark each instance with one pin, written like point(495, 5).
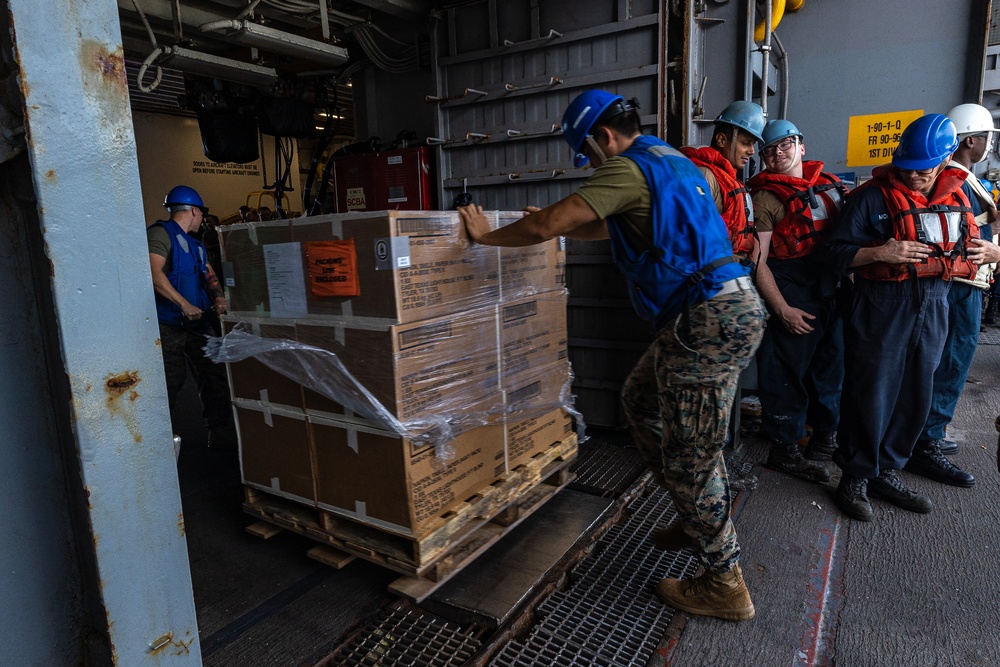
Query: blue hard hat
point(580, 116)
point(747, 116)
point(182, 195)
point(776, 130)
point(926, 142)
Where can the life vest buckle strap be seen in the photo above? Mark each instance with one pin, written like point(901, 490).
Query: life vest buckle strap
point(702, 273)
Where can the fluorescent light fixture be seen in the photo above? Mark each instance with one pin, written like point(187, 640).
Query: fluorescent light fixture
point(268, 39)
point(217, 67)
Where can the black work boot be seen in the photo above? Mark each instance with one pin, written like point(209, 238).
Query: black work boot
point(929, 462)
point(741, 477)
point(821, 447)
point(852, 498)
point(990, 314)
point(890, 488)
point(947, 446)
point(789, 459)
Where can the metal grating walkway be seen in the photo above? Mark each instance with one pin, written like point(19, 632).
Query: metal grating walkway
point(989, 337)
point(606, 469)
point(408, 639)
point(609, 614)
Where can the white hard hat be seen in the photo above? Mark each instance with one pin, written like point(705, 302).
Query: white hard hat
point(972, 119)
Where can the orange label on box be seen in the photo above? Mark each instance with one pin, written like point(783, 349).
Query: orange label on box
point(333, 268)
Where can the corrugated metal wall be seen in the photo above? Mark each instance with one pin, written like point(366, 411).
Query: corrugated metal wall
point(506, 71)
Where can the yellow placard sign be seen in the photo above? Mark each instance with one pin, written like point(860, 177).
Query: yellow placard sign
point(872, 139)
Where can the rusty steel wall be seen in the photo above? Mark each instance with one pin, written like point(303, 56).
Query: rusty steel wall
point(81, 145)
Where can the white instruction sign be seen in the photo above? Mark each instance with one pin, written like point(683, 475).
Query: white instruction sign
point(286, 279)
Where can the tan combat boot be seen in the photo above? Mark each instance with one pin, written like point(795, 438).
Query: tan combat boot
point(723, 595)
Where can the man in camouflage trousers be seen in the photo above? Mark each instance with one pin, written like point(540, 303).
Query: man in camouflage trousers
point(693, 386)
point(670, 242)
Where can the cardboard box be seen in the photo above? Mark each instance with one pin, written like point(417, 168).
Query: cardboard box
point(275, 453)
point(243, 262)
point(436, 367)
point(401, 265)
point(528, 437)
point(252, 380)
point(390, 482)
point(530, 269)
point(537, 389)
point(410, 265)
point(533, 333)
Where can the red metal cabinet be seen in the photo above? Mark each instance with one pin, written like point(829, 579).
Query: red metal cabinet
point(400, 179)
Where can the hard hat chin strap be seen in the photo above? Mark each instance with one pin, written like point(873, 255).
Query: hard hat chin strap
point(989, 148)
point(596, 148)
point(732, 146)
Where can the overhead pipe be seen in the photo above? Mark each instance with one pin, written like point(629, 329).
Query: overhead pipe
point(784, 75)
point(765, 51)
point(248, 33)
point(194, 16)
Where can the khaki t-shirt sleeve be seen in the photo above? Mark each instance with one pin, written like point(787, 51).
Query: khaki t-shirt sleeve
point(618, 188)
point(713, 186)
point(768, 210)
point(158, 240)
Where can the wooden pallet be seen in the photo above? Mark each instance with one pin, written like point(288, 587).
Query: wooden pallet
point(453, 541)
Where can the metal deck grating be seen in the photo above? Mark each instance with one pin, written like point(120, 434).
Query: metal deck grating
point(989, 337)
point(632, 576)
point(654, 509)
point(622, 632)
point(609, 614)
point(544, 650)
point(406, 639)
point(604, 468)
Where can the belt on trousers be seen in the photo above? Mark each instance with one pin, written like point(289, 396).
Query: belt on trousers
point(735, 285)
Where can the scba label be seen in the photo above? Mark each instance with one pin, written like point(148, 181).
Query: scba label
point(356, 199)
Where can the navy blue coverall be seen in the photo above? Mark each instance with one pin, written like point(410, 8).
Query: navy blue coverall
point(893, 339)
point(800, 375)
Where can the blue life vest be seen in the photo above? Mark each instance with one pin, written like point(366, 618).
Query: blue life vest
point(689, 237)
point(187, 274)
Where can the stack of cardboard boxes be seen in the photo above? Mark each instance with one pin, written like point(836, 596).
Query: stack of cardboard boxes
point(435, 330)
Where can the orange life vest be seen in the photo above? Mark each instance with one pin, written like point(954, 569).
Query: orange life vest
point(811, 206)
point(737, 209)
point(943, 221)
